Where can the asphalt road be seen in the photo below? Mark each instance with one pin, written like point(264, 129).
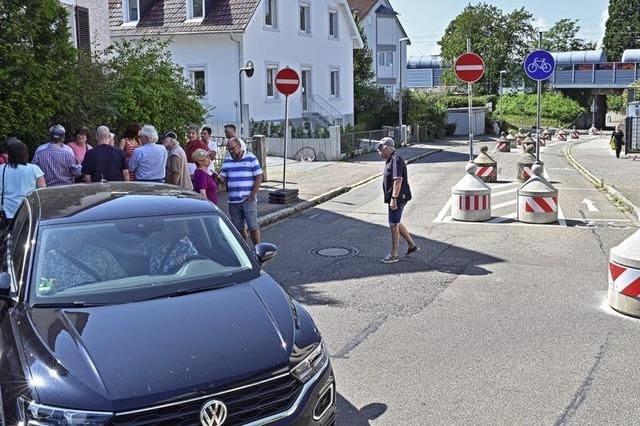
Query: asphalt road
point(491, 323)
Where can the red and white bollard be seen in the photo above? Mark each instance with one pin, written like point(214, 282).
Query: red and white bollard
point(624, 276)
point(561, 135)
point(537, 200)
point(471, 198)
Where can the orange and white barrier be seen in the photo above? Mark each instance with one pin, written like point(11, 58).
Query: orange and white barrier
point(474, 202)
point(539, 204)
point(624, 280)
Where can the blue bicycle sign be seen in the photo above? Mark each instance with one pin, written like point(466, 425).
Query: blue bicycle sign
point(539, 65)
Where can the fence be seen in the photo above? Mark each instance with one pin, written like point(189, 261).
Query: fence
point(306, 149)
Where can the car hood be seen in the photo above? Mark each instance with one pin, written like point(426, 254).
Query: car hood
point(128, 356)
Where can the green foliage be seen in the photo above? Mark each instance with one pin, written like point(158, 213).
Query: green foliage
point(563, 36)
point(502, 39)
point(449, 129)
point(36, 67)
point(375, 108)
point(148, 87)
point(450, 101)
point(621, 31)
point(559, 109)
point(425, 109)
point(616, 103)
point(276, 130)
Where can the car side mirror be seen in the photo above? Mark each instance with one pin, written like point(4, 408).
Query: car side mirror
point(5, 285)
point(266, 251)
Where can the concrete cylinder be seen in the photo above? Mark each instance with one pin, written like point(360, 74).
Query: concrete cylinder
point(546, 134)
point(503, 144)
point(561, 135)
point(524, 165)
point(528, 143)
point(520, 137)
point(537, 201)
point(624, 276)
point(574, 133)
point(512, 140)
point(487, 167)
point(471, 198)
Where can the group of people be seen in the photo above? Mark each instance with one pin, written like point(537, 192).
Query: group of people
point(141, 155)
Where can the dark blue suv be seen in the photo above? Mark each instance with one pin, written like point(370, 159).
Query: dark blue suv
point(138, 304)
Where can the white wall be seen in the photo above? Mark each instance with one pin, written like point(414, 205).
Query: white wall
point(382, 30)
point(286, 46)
point(217, 54)
point(98, 21)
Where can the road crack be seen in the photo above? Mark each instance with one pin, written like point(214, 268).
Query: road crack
point(582, 392)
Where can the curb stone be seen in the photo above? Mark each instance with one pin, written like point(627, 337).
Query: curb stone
point(274, 217)
point(600, 183)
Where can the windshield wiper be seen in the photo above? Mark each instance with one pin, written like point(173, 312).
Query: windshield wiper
point(74, 304)
point(184, 291)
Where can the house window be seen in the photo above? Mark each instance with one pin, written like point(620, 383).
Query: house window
point(195, 9)
point(131, 9)
point(83, 33)
point(270, 13)
point(271, 81)
point(334, 83)
point(199, 82)
point(305, 18)
point(333, 23)
point(385, 59)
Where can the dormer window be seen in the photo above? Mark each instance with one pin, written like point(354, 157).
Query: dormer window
point(195, 9)
point(131, 10)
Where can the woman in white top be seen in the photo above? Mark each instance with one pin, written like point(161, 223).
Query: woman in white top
point(18, 178)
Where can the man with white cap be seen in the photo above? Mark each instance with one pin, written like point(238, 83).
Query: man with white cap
point(397, 193)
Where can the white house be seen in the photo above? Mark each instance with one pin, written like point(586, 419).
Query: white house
point(384, 31)
point(213, 39)
point(88, 23)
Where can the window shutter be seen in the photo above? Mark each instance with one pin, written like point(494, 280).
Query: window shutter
point(83, 33)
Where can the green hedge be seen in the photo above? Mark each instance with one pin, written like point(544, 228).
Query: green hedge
point(462, 101)
point(556, 109)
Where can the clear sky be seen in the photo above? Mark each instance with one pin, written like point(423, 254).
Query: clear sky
point(426, 20)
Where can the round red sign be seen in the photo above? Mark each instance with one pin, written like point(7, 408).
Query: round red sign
point(287, 81)
point(469, 67)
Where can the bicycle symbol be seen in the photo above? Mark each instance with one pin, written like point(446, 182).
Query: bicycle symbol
point(539, 64)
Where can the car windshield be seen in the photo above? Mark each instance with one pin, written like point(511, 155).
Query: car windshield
point(126, 260)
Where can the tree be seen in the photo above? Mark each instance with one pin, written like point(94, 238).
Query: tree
point(621, 30)
point(502, 39)
point(563, 36)
point(36, 67)
point(146, 86)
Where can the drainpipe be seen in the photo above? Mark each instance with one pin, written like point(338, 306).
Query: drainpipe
point(239, 80)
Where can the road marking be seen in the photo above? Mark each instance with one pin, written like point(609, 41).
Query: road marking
point(590, 205)
point(504, 185)
point(576, 189)
point(508, 191)
point(508, 203)
point(561, 219)
point(444, 211)
point(566, 169)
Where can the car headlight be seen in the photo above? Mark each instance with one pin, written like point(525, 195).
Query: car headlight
point(35, 414)
point(309, 366)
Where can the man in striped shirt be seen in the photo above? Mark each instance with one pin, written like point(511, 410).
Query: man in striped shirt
point(243, 175)
point(56, 160)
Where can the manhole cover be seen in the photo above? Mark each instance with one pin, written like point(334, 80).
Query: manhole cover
point(335, 252)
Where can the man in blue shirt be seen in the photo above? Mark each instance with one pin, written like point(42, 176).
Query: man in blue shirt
point(243, 175)
point(148, 161)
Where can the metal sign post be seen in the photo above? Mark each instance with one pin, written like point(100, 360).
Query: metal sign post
point(469, 68)
point(286, 140)
point(539, 66)
point(287, 83)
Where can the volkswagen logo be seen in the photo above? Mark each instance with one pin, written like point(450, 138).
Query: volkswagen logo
point(213, 413)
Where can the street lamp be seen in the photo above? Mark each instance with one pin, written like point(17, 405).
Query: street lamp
point(502, 72)
point(402, 68)
point(248, 70)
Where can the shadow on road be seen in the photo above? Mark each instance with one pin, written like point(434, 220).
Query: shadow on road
point(350, 415)
point(302, 270)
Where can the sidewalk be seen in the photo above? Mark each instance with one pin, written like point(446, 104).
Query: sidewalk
point(318, 182)
point(601, 163)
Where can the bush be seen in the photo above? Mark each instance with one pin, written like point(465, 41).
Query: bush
point(449, 129)
point(616, 103)
point(424, 109)
point(462, 101)
point(555, 108)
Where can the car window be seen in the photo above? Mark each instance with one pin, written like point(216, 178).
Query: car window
point(128, 259)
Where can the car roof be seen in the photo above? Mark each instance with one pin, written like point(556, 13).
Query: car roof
point(113, 200)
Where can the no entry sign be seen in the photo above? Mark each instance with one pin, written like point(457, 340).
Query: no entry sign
point(469, 67)
point(287, 81)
